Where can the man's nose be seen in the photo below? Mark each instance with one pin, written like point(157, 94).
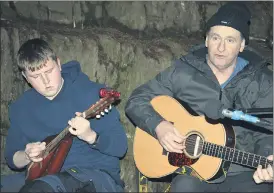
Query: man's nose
point(221, 46)
point(45, 79)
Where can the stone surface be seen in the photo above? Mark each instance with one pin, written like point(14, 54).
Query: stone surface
point(107, 55)
point(142, 16)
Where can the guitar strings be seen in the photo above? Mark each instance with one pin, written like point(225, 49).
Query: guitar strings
point(212, 150)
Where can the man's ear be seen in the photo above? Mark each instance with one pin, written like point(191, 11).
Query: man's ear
point(242, 45)
point(206, 44)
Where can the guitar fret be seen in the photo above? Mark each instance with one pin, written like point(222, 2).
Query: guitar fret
point(226, 155)
point(251, 159)
point(213, 150)
point(240, 157)
point(222, 153)
point(263, 161)
point(209, 152)
point(245, 159)
point(217, 151)
point(235, 155)
point(208, 148)
point(256, 161)
point(232, 154)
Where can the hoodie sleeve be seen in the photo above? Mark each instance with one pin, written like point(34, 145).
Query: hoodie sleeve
point(15, 141)
point(112, 137)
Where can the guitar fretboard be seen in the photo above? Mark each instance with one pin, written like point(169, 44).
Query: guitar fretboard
point(235, 155)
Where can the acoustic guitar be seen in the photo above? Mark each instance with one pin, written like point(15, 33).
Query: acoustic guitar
point(208, 145)
point(58, 146)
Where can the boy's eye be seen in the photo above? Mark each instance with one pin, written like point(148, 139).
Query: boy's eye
point(49, 71)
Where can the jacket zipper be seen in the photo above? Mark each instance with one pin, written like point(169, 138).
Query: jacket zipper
point(221, 94)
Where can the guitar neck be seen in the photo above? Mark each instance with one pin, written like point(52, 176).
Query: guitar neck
point(235, 155)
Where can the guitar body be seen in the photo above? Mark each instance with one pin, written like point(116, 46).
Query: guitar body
point(53, 161)
point(154, 162)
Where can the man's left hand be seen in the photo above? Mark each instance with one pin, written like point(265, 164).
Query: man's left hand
point(264, 175)
point(81, 128)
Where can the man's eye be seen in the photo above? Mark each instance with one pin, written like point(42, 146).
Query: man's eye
point(49, 71)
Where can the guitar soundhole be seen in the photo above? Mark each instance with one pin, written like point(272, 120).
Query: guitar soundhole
point(194, 145)
point(193, 150)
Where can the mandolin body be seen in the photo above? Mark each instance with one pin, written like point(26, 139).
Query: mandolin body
point(53, 161)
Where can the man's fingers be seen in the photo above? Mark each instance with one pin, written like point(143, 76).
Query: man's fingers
point(259, 173)
point(178, 139)
point(178, 134)
point(169, 148)
point(256, 178)
point(36, 159)
point(175, 146)
point(34, 154)
point(270, 171)
point(266, 176)
point(72, 131)
point(270, 157)
point(78, 114)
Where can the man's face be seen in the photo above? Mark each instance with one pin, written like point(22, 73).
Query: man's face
point(224, 44)
point(46, 80)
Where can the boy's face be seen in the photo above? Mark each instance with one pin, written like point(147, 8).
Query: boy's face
point(46, 80)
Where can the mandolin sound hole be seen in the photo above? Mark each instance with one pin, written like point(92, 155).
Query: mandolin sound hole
point(194, 145)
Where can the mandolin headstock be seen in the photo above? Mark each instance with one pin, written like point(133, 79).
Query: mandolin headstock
point(107, 98)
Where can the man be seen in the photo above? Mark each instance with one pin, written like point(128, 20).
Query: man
point(58, 95)
point(222, 70)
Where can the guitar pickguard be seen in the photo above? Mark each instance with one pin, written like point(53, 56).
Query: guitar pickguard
point(180, 159)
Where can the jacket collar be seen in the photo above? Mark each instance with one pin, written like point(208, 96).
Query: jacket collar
point(197, 59)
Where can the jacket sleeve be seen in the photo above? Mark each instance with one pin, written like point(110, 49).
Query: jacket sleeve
point(138, 107)
point(15, 140)
point(265, 95)
point(264, 142)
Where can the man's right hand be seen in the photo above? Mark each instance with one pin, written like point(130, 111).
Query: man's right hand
point(169, 137)
point(33, 151)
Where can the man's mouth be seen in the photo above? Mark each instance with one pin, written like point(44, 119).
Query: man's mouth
point(49, 88)
point(220, 56)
